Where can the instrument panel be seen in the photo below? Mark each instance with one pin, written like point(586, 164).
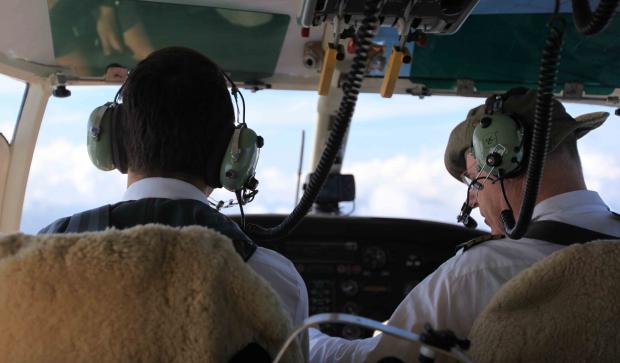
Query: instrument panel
point(363, 266)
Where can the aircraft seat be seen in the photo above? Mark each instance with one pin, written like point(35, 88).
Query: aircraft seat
point(146, 294)
point(565, 308)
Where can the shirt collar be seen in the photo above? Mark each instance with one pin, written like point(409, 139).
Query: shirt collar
point(167, 188)
point(582, 200)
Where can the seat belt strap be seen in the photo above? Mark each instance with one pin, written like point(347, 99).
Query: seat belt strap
point(562, 233)
point(97, 219)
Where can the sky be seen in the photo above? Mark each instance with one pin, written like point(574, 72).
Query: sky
point(395, 151)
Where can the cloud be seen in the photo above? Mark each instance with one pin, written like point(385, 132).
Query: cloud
point(408, 187)
point(63, 180)
point(415, 186)
point(298, 107)
point(602, 173)
point(373, 108)
point(276, 193)
point(293, 108)
point(400, 186)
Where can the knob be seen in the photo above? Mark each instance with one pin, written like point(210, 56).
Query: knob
point(494, 159)
point(61, 91)
point(252, 183)
point(349, 287)
point(351, 308)
point(374, 258)
point(486, 122)
point(413, 261)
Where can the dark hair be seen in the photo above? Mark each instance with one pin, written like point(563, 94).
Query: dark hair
point(179, 115)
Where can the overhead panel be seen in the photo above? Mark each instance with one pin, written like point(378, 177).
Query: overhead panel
point(245, 43)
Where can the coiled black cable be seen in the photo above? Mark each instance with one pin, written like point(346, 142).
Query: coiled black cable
point(588, 23)
point(541, 131)
point(351, 87)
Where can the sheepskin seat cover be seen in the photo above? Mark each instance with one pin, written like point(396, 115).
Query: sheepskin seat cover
point(565, 308)
point(145, 294)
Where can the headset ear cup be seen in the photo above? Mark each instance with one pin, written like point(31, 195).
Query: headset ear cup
point(99, 137)
point(239, 161)
point(497, 145)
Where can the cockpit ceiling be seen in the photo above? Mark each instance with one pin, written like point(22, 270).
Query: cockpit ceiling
point(497, 47)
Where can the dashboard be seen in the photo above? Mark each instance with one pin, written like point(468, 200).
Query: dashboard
point(363, 266)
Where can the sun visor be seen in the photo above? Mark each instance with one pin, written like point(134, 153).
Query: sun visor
point(89, 36)
point(501, 51)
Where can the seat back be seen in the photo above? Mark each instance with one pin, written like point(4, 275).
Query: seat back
point(565, 308)
point(145, 294)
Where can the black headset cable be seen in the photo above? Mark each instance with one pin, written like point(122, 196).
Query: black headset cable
point(351, 88)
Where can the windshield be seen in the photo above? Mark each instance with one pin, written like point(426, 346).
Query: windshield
point(395, 150)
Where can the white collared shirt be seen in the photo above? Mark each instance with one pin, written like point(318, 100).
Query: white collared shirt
point(276, 269)
point(457, 292)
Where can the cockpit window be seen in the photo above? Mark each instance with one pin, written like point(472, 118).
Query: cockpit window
point(11, 96)
point(395, 151)
point(599, 155)
point(246, 43)
point(62, 180)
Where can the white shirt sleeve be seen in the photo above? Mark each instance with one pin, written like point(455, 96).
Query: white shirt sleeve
point(281, 274)
point(283, 277)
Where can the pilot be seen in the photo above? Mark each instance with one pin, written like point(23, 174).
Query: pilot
point(178, 123)
point(456, 293)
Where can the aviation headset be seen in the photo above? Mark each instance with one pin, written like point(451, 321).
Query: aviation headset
point(237, 167)
point(498, 140)
point(498, 147)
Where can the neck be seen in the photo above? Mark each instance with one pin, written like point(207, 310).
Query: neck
point(133, 177)
point(554, 182)
point(561, 176)
point(546, 193)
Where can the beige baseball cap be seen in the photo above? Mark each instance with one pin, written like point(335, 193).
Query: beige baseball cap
point(521, 104)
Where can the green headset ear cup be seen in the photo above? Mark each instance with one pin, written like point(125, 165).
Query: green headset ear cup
point(492, 134)
point(239, 161)
point(99, 137)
